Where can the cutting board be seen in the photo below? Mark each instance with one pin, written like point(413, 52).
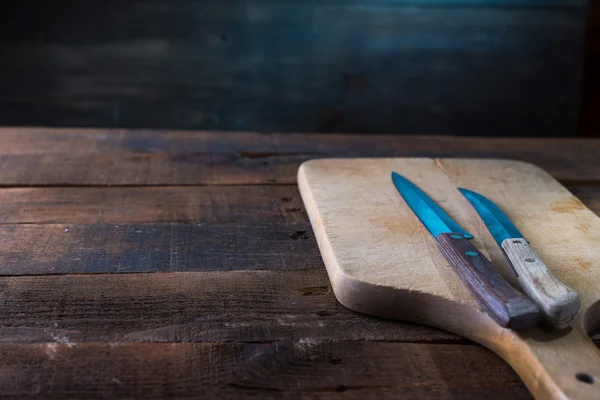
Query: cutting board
point(383, 262)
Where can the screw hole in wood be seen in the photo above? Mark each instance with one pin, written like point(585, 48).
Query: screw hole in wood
point(529, 260)
point(335, 360)
point(585, 378)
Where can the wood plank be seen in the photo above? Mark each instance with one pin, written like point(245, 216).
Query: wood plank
point(108, 230)
point(36, 156)
point(108, 248)
point(111, 169)
point(256, 66)
point(247, 306)
point(242, 205)
point(279, 369)
point(25, 140)
point(280, 206)
point(569, 164)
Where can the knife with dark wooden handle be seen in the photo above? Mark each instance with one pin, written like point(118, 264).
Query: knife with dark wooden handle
point(507, 306)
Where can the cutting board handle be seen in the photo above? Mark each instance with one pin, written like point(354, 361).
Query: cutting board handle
point(555, 365)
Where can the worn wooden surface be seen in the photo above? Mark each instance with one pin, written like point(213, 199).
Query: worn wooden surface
point(382, 261)
point(192, 316)
point(277, 369)
point(98, 157)
point(479, 67)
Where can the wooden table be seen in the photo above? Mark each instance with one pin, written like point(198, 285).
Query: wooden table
point(158, 264)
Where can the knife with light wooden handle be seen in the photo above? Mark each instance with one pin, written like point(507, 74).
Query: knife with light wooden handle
point(558, 303)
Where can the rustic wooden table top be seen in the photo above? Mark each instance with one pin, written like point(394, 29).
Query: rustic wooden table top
point(157, 264)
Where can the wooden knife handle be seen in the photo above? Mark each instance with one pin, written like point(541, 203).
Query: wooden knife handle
point(502, 302)
point(558, 303)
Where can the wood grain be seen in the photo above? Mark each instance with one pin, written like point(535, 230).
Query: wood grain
point(182, 320)
point(394, 265)
point(277, 204)
point(36, 156)
point(503, 303)
point(280, 206)
point(147, 169)
point(152, 229)
point(110, 248)
point(109, 230)
point(245, 306)
point(142, 169)
point(274, 369)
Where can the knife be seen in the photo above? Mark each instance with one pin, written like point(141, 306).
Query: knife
point(558, 303)
point(502, 302)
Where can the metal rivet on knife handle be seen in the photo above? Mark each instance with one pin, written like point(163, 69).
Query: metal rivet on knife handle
point(503, 303)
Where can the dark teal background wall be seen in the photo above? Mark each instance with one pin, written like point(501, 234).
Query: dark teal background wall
point(473, 67)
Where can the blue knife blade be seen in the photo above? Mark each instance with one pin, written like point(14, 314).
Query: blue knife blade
point(503, 303)
point(430, 214)
point(558, 303)
point(497, 222)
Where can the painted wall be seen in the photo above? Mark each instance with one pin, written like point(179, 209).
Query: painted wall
point(473, 67)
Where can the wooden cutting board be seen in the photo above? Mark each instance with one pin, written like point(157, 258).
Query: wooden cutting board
point(383, 262)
